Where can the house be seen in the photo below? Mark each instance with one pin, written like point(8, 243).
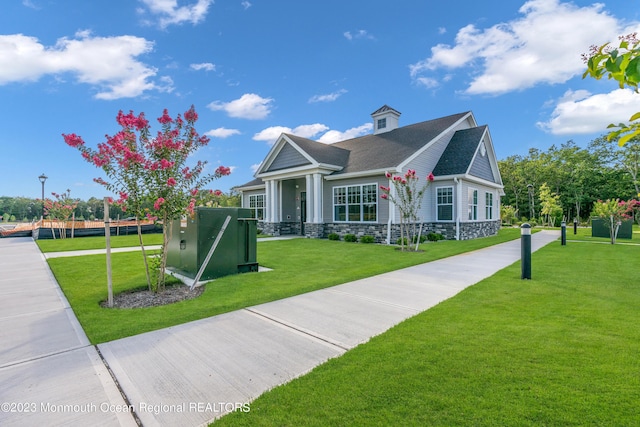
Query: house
point(308, 188)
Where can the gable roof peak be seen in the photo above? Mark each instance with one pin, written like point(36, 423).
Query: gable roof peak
point(384, 109)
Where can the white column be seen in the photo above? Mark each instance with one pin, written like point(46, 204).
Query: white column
point(267, 201)
point(310, 198)
point(275, 197)
point(317, 198)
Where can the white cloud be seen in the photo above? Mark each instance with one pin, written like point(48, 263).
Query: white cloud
point(271, 134)
point(580, 112)
point(207, 66)
point(246, 5)
point(336, 136)
point(222, 133)
point(427, 82)
point(30, 4)
point(108, 63)
point(360, 34)
point(169, 13)
point(248, 106)
point(330, 97)
point(255, 167)
point(543, 46)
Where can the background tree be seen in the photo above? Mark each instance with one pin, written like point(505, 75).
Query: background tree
point(613, 211)
point(549, 204)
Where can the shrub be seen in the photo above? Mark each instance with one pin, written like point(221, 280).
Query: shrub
point(423, 238)
point(367, 239)
point(401, 241)
point(434, 237)
point(350, 238)
point(333, 236)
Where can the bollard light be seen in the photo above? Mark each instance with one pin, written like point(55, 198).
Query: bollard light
point(575, 225)
point(563, 228)
point(525, 250)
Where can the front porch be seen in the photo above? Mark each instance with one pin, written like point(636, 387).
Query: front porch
point(293, 206)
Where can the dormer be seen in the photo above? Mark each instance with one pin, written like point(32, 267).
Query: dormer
point(385, 119)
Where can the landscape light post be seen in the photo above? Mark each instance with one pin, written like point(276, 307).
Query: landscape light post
point(525, 250)
point(42, 179)
point(532, 211)
point(563, 233)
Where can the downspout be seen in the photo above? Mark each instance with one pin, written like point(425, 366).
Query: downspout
point(458, 208)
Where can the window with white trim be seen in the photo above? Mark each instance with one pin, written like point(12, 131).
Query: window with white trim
point(444, 203)
point(488, 207)
point(355, 203)
point(473, 204)
point(382, 123)
point(256, 204)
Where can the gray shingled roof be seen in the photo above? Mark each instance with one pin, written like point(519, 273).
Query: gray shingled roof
point(459, 153)
point(389, 149)
point(374, 152)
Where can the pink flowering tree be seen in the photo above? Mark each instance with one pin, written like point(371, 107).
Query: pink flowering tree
point(59, 210)
point(613, 211)
point(406, 193)
point(142, 168)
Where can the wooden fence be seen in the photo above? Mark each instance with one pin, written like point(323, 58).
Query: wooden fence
point(71, 225)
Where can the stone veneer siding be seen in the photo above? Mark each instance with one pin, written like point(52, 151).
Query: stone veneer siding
point(468, 230)
point(473, 230)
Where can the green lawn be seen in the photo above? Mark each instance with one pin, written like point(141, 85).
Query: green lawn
point(299, 266)
point(559, 350)
point(97, 242)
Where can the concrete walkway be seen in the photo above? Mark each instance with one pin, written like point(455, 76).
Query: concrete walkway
point(190, 374)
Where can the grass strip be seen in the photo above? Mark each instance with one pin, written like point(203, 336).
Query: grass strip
point(299, 266)
point(558, 350)
point(97, 242)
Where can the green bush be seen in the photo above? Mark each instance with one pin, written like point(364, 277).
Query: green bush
point(367, 239)
point(423, 238)
point(333, 236)
point(434, 237)
point(401, 241)
point(350, 238)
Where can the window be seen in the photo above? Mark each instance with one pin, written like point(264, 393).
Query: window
point(488, 208)
point(340, 204)
point(355, 203)
point(444, 203)
point(473, 204)
point(382, 123)
point(369, 203)
point(256, 204)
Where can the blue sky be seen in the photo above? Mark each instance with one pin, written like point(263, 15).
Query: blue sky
point(255, 68)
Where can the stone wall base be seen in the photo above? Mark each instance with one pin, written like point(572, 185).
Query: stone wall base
point(468, 230)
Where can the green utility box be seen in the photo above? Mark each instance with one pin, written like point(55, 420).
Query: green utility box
point(192, 239)
point(600, 228)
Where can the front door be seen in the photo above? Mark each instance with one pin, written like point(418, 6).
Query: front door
point(303, 211)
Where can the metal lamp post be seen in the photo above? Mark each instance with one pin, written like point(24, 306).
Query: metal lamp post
point(531, 206)
point(42, 179)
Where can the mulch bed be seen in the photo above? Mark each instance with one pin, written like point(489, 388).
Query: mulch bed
point(145, 298)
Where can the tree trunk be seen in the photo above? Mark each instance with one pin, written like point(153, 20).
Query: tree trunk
point(144, 254)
